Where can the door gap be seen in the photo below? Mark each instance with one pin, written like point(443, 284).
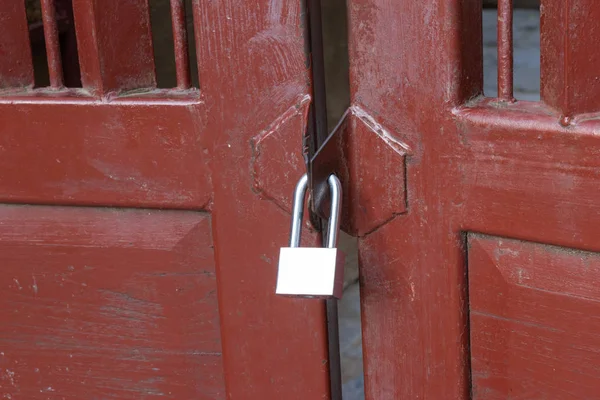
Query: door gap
point(165, 50)
point(337, 65)
point(337, 89)
point(350, 325)
point(38, 43)
point(67, 43)
point(526, 49)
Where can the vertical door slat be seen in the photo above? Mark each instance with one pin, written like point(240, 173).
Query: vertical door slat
point(570, 56)
point(55, 70)
point(16, 66)
point(180, 40)
point(115, 45)
point(505, 50)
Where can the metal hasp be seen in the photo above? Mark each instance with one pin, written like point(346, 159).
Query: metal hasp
point(315, 136)
point(313, 272)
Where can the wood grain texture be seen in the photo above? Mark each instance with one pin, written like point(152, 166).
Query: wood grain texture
point(16, 67)
point(125, 153)
point(252, 68)
point(411, 64)
point(533, 316)
point(115, 45)
point(102, 303)
point(569, 55)
point(155, 152)
point(523, 175)
point(476, 164)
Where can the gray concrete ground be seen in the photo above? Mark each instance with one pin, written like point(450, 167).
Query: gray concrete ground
point(527, 86)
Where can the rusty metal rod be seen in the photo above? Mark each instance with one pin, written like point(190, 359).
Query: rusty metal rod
point(505, 50)
point(180, 40)
point(55, 70)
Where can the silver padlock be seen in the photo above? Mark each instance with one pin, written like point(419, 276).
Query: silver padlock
point(315, 272)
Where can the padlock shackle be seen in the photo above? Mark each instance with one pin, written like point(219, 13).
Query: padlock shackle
point(298, 211)
point(335, 188)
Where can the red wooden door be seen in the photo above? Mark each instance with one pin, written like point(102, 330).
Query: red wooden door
point(480, 280)
point(140, 226)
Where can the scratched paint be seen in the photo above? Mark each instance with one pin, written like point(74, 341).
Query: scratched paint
point(118, 53)
point(114, 288)
point(251, 62)
point(90, 311)
point(530, 308)
point(508, 170)
point(137, 154)
point(569, 80)
point(14, 47)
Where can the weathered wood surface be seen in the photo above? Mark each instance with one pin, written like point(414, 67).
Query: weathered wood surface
point(516, 171)
point(119, 153)
point(16, 66)
point(120, 142)
point(100, 303)
point(534, 326)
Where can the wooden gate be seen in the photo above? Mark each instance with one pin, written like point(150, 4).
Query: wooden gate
point(140, 226)
point(480, 280)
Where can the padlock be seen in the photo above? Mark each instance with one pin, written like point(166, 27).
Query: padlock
point(314, 272)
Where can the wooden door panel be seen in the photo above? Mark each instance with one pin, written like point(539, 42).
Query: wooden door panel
point(523, 175)
point(534, 310)
point(499, 167)
point(129, 152)
point(118, 141)
point(273, 347)
point(103, 302)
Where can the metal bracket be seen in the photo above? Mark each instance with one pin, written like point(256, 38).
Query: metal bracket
point(374, 193)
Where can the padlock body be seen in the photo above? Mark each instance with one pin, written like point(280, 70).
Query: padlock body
point(310, 272)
